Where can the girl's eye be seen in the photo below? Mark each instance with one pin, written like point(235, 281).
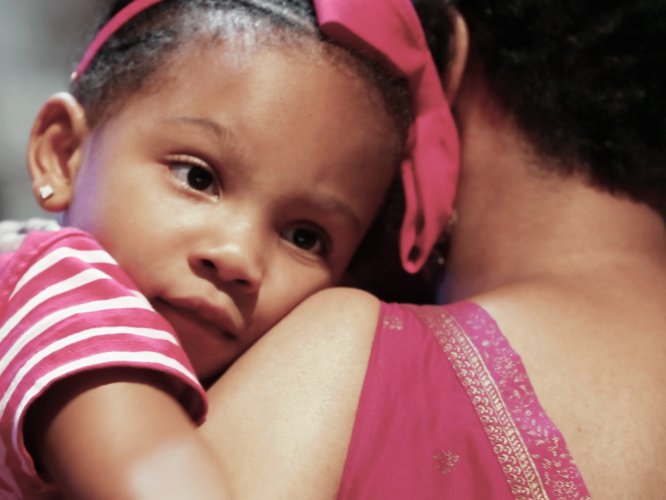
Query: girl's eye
point(199, 179)
point(307, 239)
point(196, 176)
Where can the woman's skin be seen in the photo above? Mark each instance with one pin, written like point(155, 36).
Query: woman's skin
point(574, 276)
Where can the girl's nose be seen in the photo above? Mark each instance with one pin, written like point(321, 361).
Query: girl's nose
point(232, 263)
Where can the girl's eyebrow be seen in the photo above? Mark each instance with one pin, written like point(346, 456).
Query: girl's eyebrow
point(324, 203)
point(218, 130)
point(333, 205)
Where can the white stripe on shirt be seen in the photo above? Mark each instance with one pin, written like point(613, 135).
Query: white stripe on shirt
point(83, 278)
point(74, 339)
point(58, 316)
point(87, 256)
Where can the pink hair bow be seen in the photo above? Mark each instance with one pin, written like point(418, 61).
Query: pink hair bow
point(389, 32)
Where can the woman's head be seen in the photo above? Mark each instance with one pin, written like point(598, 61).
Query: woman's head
point(584, 82)
point(236, 176)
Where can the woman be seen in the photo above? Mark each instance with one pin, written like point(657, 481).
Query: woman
point(559, 248)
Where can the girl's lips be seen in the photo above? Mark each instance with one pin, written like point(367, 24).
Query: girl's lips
point(201, 313)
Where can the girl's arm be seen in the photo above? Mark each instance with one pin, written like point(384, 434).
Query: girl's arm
point(116, 434)
point(281, 418)
point(127, 416)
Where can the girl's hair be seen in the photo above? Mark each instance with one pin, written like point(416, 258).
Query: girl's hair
point(128, 61)
point(585, 81)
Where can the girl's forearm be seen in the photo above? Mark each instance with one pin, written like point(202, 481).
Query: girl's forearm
point(116, 434)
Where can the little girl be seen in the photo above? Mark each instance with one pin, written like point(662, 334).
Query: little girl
point(229, 160)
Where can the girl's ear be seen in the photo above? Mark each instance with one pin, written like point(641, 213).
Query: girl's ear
point(455, 68)
point(55, 151)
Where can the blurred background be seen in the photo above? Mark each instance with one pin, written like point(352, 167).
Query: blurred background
point(40, 43)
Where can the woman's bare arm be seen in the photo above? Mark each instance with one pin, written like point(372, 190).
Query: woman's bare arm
point(281, 419)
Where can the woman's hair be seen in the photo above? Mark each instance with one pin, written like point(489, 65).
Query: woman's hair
point(585, 81)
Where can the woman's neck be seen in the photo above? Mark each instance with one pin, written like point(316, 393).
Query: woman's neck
point(518, 222)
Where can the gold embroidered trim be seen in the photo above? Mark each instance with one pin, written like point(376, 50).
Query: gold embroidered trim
point(511, 451)
point(505, 404)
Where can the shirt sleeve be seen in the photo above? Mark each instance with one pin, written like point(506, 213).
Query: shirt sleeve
point(66, 307)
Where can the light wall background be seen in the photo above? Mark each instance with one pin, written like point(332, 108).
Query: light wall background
point(40, 42)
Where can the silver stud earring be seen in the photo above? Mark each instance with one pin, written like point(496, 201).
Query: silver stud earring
point(46, 192)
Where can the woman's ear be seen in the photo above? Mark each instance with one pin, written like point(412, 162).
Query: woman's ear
point(55, 151)
point(457, 63)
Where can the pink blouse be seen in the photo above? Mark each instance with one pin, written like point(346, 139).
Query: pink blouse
point(66, 308)
point(447, 412)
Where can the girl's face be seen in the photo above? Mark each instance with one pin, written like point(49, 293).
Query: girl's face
point(236, 190)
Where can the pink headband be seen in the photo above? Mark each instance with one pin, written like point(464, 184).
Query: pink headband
point(389, 32)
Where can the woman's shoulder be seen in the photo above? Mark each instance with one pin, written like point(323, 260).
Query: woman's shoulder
point(335, 321)
point(301, 382)
point(338, 315)
point(339, 303)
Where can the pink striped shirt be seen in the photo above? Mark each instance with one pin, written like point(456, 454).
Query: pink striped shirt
point(66, 307)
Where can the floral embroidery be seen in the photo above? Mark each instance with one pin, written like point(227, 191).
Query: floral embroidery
point(392, 323)
point(445, 461)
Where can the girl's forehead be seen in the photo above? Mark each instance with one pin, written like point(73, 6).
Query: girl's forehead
point(334, 80)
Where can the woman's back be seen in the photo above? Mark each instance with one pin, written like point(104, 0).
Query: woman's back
point(283, 419)
point(560, 234)
point(582, 299)
point(597, 365)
